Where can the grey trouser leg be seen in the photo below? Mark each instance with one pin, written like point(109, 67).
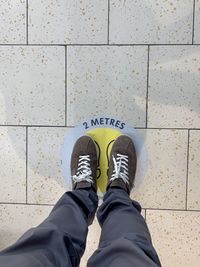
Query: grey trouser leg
point(60, 240)
point(125, 239)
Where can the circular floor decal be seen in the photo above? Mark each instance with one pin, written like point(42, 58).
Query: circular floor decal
point(104, 131)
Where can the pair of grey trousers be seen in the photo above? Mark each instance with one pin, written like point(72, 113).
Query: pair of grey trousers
point(60, 240)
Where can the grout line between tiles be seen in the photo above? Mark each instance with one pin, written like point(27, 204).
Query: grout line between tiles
point(65, 85)
point(27, 22)
point(26, 204)
point(162, 209)
point(108, 22)
point(187, 170)
point(145, 209)
point(193, 20)
point(26, 165)
point(72, 126)
point(29, 44)
point(144, 44)
point(147, 93)
point(167, 128)
point(36, 126)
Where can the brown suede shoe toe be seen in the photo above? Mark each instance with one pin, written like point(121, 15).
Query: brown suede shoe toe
point(84, 163)
point(122, 164)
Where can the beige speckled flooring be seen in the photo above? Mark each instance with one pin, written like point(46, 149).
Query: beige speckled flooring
point(61, 61)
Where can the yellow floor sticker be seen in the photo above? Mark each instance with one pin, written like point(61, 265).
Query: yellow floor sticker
point(104, 138)
point(103, 130)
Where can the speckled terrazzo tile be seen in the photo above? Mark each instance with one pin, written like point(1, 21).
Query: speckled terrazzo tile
point(193, 197)
point(174, 81)
point(68, 22)
point(32, 85)
point(164, 185)
point(165, 21)
point(93, 241)
point(107, 81)
point(45, 181)
point(176, 236)
point(13, 22)
point(12, 164)
point(197, 22)
point(16, 219)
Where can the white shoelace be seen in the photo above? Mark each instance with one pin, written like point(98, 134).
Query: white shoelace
point(84, 171)
point(120, 164)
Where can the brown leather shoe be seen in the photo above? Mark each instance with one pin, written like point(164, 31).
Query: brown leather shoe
point(122, 164)
point(84, 163)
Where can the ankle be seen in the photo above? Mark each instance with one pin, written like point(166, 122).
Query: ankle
point(118, 183)
point(84, 185)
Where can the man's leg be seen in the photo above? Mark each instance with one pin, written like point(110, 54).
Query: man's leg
point(60, 239)
point(125, 239)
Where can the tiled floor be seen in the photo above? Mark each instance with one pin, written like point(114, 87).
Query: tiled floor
point(61, 61)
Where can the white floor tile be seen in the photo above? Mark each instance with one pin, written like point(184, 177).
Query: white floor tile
point(107, 81)
point(164, 185)
point(13, 22)
point(32, 85)
point(176, 237)
point(45, 181)
point(174, 87)
point(68, 22)
point(154, 22)
point(16, 219)
point(12, 164)
point(193, 196)
point(197, 22)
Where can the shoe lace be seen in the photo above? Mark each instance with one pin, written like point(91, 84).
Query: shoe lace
point(83, 171)
point(120, 168)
